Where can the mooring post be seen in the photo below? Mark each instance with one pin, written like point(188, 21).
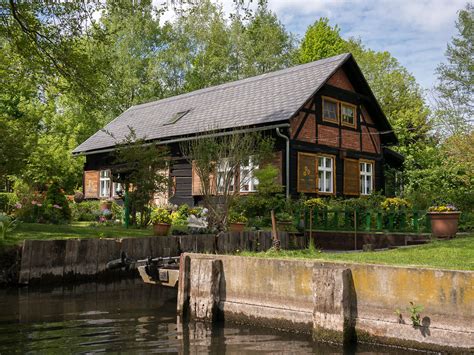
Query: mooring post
point(334, 305)
point(204, 290)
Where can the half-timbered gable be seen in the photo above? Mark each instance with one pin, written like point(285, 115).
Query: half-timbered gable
point(336, 143)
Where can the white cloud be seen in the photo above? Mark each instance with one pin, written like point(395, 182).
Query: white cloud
point(416, 32)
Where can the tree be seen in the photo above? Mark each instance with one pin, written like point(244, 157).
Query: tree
point(265, 44)
point(217, 161)
point(142, 169)
point(320, 41)
point(454, 93)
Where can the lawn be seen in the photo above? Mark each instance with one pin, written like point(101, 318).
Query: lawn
point(73, 230)
point(457, 254)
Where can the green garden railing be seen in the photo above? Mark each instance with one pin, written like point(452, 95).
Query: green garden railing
point(367, 220)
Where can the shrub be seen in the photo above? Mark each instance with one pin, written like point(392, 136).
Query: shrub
point(235, 217)
point(180, 216)
point(395, 203)
point(7, 225)
point(314, 203)
point(56, 207)
point(284, 217)
point(160, 215)
point(7, 201)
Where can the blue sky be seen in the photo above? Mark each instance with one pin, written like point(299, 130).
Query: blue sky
point(416, 32)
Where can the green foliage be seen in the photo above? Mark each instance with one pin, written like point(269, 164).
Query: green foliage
point(160, 215)
point(7, 225)
point(235, 217)
point(284, 217)
point(221, 157)
point(143, 167)
point(314, 203)
point(56, 207)
point(395, 203)
point(85, 211)
point(7, 201)
point(454, 106)
point(414, 311)
point(320, 41)
point(180, 216)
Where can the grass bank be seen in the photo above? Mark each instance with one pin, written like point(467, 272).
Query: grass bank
point(73, 230)
point(455, 254)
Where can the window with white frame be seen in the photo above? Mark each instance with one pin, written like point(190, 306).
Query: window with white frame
point(223, 177)
point(105, 182)
point(366, 177)
point(326, 174)
point(248, 182)
point(116, 188)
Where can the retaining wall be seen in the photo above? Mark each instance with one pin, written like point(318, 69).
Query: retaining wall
point(281, 293)
point(84, 259)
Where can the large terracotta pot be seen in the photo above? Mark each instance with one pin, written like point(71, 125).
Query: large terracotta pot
point(236, 227)
point(444, 224)
point(161, 229)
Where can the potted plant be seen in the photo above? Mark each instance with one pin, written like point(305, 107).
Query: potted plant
point(284, 221)
point(237, 222)
point(444, 220)
point(161, 219)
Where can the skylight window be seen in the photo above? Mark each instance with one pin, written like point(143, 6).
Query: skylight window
point(176, 117)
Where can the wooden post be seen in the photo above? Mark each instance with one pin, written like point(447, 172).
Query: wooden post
point(310, 226)
point(355, 229)
point(276, 240)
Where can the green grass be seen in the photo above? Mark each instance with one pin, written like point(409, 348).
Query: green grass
point(73, 230)
point(456, 254)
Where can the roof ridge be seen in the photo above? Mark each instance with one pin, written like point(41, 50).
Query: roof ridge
point(230, 84)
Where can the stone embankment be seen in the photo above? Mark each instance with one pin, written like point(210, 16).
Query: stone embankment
point(334, 301)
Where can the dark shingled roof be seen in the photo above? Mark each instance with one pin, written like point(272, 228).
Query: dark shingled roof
point(259, 100)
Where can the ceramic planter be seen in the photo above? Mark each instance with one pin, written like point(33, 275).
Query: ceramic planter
point(444, 224)
point(236, 227)
point(161, 229)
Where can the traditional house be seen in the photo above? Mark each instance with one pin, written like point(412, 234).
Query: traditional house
point(332, 137)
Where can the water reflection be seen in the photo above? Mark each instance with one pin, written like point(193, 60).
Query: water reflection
point(130, 316)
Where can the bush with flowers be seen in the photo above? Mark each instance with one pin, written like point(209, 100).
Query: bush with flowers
point(443, 208)
point(56, 206)
point(395, 204)
point(160, 215)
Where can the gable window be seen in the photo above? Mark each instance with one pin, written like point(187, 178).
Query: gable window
point(330, 110)
point(325, 174)
point(223, 178)
point(248, 181)
point(366, 177)
point(348, 114)
point(105, 182)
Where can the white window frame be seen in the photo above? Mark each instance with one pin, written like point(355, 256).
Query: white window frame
point(105, 179)
point(323, 169)
point(221, 170)
point(115, 186)
point(248, 178)
point(366, 177)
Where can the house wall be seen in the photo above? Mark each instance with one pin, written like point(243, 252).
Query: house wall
point(311, 134)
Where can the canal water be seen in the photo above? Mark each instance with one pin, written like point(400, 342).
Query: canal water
point(132, 317)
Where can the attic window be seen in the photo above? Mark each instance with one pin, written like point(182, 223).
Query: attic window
point(176, 117)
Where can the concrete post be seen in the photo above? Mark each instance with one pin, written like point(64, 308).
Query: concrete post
point(334, 305)
point(204, 283)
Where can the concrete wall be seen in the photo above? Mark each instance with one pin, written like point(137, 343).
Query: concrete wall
point(279, 293)
point(85, 259)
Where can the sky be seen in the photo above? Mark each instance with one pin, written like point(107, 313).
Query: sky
point(416, 32)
